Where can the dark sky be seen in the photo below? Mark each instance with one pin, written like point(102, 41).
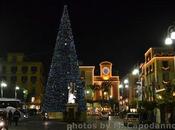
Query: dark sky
point(117, 31)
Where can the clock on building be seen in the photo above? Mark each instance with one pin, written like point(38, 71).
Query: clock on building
point(105, 70)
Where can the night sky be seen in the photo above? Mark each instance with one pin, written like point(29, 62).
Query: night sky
point(116, 31)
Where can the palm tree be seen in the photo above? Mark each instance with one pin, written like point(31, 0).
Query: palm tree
point(105, 86)
point(94, 87)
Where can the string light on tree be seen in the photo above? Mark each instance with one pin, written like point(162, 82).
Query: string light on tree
point(63, 70)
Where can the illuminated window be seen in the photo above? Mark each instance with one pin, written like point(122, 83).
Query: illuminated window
point(32, 99)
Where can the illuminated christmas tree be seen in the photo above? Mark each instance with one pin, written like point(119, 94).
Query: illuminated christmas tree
point(64, 69)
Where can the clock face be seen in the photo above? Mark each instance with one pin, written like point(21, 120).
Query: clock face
point(105, 70)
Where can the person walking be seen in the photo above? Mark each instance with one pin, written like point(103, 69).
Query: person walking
point(10, 117)
point(16, 116)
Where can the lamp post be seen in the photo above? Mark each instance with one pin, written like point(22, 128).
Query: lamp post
point(170, 36)
point(126, 95)
point(126, 86)
point(121, 97)
point(3, 85)
point(25, 93)
point(16, 89)
point(121, 89)
point(136, 72)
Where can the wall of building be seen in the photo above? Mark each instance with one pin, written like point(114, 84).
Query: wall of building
point(97, 81)
point(159, 71)
point(27, 75)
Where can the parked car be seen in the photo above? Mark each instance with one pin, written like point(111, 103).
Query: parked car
point(131, 119)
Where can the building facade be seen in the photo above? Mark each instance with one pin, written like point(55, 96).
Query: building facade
point(129, 92)
point(101, 90)
point(24, 79)
point(158, 73)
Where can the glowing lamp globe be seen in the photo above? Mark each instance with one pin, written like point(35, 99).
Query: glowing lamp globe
point(168, 41)
point(173, 35)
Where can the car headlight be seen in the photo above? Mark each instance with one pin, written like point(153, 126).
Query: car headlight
point(26, 115)
point(2, 123)
point(4, 128)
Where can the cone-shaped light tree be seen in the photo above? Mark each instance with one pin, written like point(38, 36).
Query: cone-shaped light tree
point(63, 70)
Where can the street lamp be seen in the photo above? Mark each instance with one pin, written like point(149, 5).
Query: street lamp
point(87, 92)
point(16, 89)
point(135, 71)
point(121, 89)
point(126, 86)
point(121, 86)
point(170, 35)
point(126, 81)
point(24, 91)
point(3, 85)
point(126, 93)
